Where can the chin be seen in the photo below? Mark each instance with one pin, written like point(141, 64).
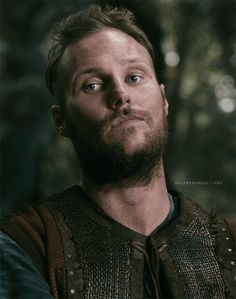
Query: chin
point(131, 140)
point(125, 156)
point(133, 148)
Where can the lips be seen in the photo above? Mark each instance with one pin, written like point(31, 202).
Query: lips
point(123, 119)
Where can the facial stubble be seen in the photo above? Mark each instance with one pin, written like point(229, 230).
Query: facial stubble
point(107, 163)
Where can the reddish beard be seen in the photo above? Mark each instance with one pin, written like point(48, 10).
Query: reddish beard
point(105, 162)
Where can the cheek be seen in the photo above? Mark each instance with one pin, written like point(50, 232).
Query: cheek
point(84, 113)
point(151, 98)
point(155, 106)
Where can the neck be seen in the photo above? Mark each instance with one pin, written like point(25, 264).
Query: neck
point(140, 208)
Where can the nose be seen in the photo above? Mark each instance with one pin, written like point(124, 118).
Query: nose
point(119, 95)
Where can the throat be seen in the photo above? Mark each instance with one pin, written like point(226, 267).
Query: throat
point(140, 208)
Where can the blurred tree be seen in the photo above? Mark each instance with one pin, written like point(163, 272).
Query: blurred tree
point(201, 155)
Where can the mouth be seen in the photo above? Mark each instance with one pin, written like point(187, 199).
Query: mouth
point(126, 119)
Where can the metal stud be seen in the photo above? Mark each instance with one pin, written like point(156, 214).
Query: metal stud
point(71, 272)
point(69, 255)
point(232, 263)
point(229, 249)
point(227, 238)
point(223, 229)
point(72, 291)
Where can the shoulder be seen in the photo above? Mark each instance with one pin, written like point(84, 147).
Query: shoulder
point(35, 219)
point(26, 279)
point(35, 229)
point(210, 225)
point(27, 228)
point(189, 211)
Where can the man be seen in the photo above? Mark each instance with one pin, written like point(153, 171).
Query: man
point(119, 234)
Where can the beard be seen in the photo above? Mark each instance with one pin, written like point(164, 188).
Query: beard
point(105, 162)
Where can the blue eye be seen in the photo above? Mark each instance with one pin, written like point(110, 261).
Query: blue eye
point(92, 87)
point(134, 78)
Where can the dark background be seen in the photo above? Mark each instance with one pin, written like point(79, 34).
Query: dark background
point(196, 59)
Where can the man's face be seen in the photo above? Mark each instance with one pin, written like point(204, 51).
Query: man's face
point(116, 102)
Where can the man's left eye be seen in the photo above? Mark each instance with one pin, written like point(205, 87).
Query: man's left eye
point(134, 78)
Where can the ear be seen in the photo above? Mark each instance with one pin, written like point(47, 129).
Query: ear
point(165, 102)
point(59, 120)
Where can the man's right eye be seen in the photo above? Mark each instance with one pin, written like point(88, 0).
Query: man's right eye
point(92, 87)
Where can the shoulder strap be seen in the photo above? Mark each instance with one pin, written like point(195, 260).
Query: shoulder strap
point(28, 235)
point(36, 232)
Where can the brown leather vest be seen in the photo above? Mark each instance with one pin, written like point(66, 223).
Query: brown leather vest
point(83, 253)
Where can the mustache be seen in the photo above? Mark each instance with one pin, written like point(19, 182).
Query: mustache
point(122, 115)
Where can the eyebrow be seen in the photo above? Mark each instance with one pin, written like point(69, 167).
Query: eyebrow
point(88, 71)
point(101, 70)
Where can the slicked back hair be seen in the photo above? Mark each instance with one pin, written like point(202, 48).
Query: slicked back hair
point(77, 26)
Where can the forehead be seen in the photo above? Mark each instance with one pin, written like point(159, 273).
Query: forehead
point(105, 47)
